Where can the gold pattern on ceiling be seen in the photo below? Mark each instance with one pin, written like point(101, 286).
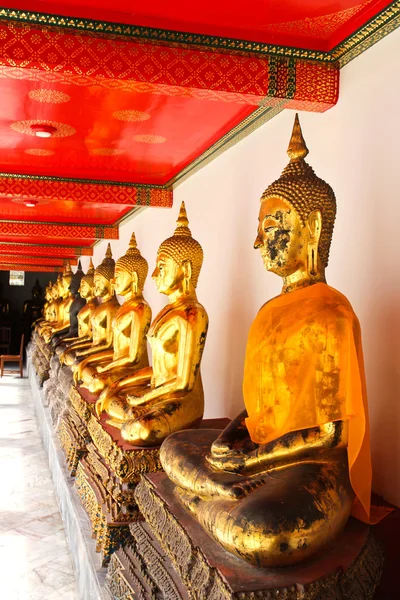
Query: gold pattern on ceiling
point(318, 26)
point(107, 151)
point(147, 138)
point(39, 152)
point(131, 115)
point(62, 129)
point(49, 96)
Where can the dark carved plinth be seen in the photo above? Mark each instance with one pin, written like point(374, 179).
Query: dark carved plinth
point(72, 428)
point(41, 354)
point(349, 569)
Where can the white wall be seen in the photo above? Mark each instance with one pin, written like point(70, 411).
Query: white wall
point(355, 148)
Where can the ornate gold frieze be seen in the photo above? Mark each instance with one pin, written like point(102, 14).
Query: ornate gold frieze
point(126, 464)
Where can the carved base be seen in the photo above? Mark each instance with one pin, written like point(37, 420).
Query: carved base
point(350, 568)
point(142, 571)
point(59, 402)
point(72, 428)
point(106, 479)
point(41, 356)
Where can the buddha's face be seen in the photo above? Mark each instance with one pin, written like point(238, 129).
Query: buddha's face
point(101, 286)
point(122, 281)
point(168, 275)
point(54, 292)
point(85, 289)
point(66, 284)
point(281, 238)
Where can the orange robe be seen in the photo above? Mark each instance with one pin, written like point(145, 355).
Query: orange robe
point(304, 368)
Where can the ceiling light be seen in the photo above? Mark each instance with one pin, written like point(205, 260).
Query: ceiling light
point(31, 203)
point(43, 131)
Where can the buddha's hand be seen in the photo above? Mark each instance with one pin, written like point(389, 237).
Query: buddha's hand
point(102, 402)
point(233, 462)
point(135, 400)
point(221, 446)
point(77, 375)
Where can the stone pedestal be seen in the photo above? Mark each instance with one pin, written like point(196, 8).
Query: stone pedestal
point(72, 429)
point(106, 479)
point(350, 568)
point(41, 355)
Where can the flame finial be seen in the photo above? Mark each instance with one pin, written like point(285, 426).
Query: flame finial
point(91, 267)
point(133, 243)
point(108, 251)
point(297, 149)
point(182, 223)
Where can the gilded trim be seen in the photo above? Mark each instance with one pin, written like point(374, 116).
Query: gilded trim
point(368, 34)
point(143, 186)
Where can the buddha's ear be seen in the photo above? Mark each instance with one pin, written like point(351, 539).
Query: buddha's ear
point(135, 282)
point(314, 224)
point(187, 269)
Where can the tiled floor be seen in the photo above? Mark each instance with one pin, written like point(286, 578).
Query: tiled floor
point(35, 563)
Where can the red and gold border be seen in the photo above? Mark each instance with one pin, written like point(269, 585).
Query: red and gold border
point(83, 190)
point(58, 230)
point(369, 33)
point(45, 250)
point(50, 54)
point(37, 260)
point(35, 268)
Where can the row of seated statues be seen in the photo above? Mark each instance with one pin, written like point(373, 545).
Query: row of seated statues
point(280, 482)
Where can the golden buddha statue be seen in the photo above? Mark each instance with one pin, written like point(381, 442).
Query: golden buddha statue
point(282, 479)
point(153, 402)
point(131, 324)
point(52, 309)
point(66, 299)
point(102, 316)
point(48, 298)
point(85, 335)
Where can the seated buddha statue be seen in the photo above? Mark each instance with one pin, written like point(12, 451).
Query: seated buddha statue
point(76, 305)
point(32, 307)
point(66, 299)
point(131, 324)
point(84, 337)
point(102, 316)
point(44, 311)
point(155, 401)
point(53, 308)
point(281, 481)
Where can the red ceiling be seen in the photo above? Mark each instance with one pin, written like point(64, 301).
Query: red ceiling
point(65, 211)
point(317, 24)
point(183, 128)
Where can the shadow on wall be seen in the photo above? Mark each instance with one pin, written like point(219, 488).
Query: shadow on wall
point(383, 384)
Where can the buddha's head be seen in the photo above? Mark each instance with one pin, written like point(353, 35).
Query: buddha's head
point(36, 290)
point(48, 292)
point(76, 280)
point(297, 216)
point(130, 271)
point(66, 280)
point(179, 259)
point(104, 275)
point(55, 289)
point(86, 287)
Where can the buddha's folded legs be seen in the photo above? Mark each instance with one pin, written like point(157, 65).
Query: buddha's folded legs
point(283, 515)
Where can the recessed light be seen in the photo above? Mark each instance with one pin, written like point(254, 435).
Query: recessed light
point(31, 203)
point(43, 131)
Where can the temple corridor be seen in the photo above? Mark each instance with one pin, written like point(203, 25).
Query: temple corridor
point(34, 558)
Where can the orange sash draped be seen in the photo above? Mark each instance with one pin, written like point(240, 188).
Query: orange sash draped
point(304, 368)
